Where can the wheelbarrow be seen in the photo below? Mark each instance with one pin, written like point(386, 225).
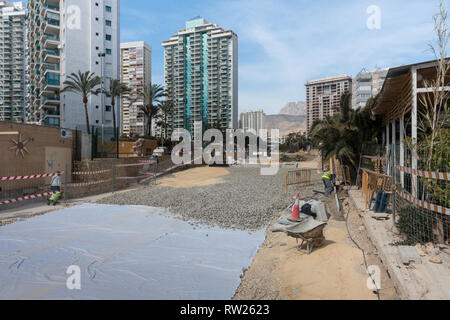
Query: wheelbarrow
point(309, 231)
point(313, 238)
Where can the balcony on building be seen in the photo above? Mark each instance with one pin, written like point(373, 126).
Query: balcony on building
point(50, 40)
point(51, 56)
point(51, 23)
point(50, 83)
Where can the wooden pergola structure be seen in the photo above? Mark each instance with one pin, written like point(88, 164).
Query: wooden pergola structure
point(398, 103)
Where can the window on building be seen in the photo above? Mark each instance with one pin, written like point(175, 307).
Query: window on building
point(108, 37)
point(108, 9)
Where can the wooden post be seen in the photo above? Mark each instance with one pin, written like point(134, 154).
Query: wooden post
point(402, 149)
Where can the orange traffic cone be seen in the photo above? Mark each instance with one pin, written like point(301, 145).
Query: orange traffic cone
point(296, 210)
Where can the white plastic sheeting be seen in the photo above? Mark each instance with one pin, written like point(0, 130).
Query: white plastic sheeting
point(124, 252)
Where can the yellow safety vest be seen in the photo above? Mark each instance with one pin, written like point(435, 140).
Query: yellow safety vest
point(327, 176)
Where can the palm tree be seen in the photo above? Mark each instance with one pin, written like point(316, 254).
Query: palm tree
point(167, 109)
point(116, 89)
point(84, 84)
point(344, 134)
point(152, 96)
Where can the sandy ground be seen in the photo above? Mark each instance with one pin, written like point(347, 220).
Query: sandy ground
point(336, 271)
point(197, 177)
point(333, 271)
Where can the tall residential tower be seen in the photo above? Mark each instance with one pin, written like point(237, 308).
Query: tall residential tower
point(136, 73)
point(366, 85)
point(201, 75)
point(323, 97)
point(65, 37)
point(12, 61)
point(252, 120)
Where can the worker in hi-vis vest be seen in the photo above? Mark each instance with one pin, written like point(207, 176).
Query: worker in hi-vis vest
point(328, 180)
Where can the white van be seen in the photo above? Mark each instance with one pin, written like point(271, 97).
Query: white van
point(159, 152)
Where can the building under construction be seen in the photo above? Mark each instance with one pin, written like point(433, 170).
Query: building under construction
point(323, 97)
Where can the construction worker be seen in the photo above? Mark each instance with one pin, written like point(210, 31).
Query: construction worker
point(56, 182)
point(55, 187)
point(329, 181)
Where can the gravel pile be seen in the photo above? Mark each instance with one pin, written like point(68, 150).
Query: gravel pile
point(246, 201)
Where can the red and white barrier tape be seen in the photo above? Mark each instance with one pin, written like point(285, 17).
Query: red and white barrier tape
point(426, 174)
point(36, 176)
point(83, 184)
point(138, 177)
point(135, 164)
point(28, 198)
point(425, 205)
point(91, 172)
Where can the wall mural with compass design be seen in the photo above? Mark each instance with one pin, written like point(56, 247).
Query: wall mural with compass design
point(20, 145)
point(32, 149)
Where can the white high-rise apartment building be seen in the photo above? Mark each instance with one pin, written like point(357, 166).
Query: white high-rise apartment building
point(366, 85)
point(201, 75)
point(136, 73)
point(323, 97)
point(252, 120)
point(65, 37)
point(12, 61)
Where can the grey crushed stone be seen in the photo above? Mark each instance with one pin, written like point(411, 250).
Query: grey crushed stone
point(245, 201)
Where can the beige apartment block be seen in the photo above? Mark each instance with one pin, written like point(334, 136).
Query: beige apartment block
point(136, 73)
point(323, 97)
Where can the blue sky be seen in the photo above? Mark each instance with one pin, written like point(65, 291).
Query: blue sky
point(285, 43)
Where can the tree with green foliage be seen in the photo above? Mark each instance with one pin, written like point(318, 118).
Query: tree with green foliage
point(296, 142)
point(343, 134)
point(152, 97)
point(167, 108)
point(116, 89)
point(85, 84)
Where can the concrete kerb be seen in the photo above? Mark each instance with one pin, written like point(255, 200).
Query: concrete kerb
point(411, 282)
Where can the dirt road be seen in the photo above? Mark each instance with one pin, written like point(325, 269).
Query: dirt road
point(336, 271)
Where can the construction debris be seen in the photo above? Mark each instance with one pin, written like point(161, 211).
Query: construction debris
point(408, 255)
point(436, 260)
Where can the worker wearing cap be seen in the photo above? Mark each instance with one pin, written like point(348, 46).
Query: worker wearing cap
point(328, 180)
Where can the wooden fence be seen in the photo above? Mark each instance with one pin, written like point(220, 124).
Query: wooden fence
point(374, 181)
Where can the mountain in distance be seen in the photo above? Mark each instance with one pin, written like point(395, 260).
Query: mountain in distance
point(294, 109)
point(292, 118)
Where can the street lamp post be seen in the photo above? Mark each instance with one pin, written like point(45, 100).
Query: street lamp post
point(102, 56)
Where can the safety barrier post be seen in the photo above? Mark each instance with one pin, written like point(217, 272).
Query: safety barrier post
point(113, 176)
